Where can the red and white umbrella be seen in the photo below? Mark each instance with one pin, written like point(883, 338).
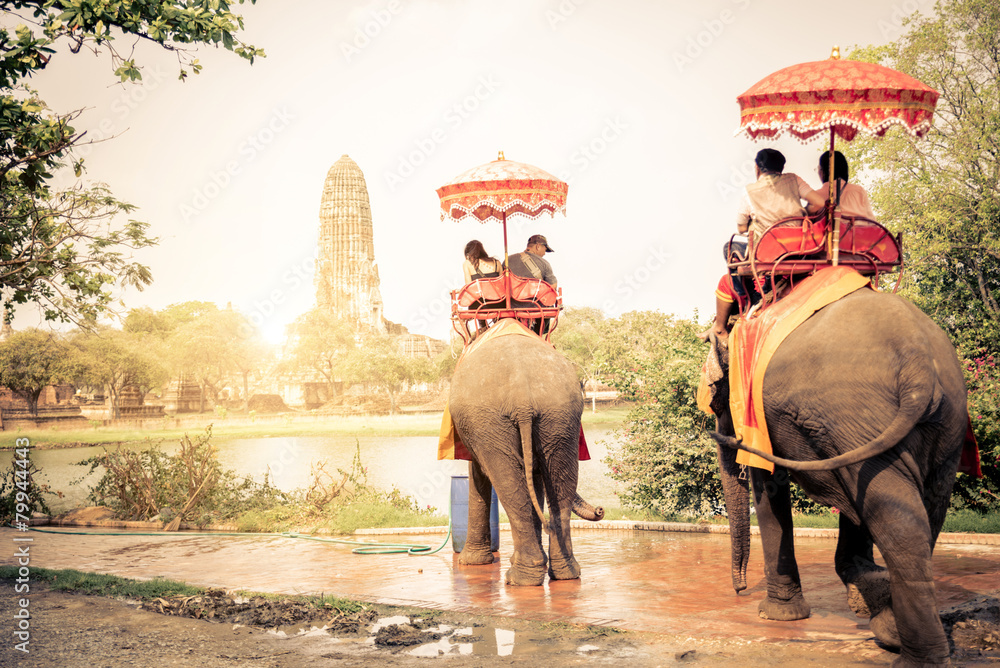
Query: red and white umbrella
point(502, 188)
point(842, 96)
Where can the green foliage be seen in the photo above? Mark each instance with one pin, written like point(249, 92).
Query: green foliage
point(323, 343)
point(983, 380)
point(378, 363)
point(64, 249)
point(578, 337)
point(666, 460)
point(139, 485)
point(970, 521)
point(943, 193)
point(112, 360)
point(30, 360)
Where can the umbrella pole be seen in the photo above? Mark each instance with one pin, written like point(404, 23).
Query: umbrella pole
point(833, 222)
point(506, 270)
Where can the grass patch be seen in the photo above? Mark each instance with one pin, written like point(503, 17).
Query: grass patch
point(284, 425)
point(113, 586)
point(611, 416)
point(342, 519)
point(304, 424)
point(104, 585)
point(969, 521)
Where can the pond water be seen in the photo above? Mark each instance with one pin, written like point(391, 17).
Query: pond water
point(406, 462)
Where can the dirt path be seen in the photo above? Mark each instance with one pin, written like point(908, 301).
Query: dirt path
point(72, 630)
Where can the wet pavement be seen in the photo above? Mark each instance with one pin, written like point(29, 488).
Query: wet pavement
point(653, 581)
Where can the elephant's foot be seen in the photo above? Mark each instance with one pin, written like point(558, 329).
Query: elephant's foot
point(475, 557)
point(566, 569)
point(784, 611)
point(883, 625)
point(906, 662)
point(520, 577)
point(869, 594)
point(526, 572)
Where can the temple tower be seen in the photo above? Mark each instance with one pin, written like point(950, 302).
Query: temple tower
point(347, 282)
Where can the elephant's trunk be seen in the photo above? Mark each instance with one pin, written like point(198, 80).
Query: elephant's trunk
point(586, 511)
point(736, 490)
point(736, 493)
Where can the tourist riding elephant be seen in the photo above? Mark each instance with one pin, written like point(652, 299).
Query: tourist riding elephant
point(865, 405)
point(516, 404)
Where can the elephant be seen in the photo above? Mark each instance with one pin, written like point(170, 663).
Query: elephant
point(865, 405)
point(516, 404)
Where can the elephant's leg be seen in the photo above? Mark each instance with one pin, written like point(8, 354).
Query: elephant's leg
point(902, 532)
point(477, 543)
point(528, 561)
point(784, 600)
point(867, 583)
point(562, 492)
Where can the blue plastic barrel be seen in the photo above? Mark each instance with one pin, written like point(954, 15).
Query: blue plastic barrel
point(460, 515)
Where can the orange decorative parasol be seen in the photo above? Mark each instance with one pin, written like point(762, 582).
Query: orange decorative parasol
point(842, 96)
point(501, 188)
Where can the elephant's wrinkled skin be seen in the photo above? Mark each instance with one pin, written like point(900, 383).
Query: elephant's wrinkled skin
point(871, 378)
point(516, 404)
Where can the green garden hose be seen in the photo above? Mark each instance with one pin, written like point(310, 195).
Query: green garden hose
point(363, 547)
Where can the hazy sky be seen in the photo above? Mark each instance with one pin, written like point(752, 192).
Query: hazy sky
point(632, 102)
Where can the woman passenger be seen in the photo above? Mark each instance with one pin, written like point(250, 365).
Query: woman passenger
point(478, 264)
point(849, 198)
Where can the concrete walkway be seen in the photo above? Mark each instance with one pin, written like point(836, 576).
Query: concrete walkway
point(655, 581)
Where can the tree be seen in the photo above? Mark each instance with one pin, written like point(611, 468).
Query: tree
point(579, 338)
point(65, 249)
point(666, 459)
point(323, 343)
point(113, 360)
point(378, 363)
point(29, 361)
point(944, 193)
point(204, 342)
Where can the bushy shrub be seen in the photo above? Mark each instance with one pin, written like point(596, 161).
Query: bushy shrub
point(982, 374)
point(21, 493)
point(139, 485)
point(666, 459)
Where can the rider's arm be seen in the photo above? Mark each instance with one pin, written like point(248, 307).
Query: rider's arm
point(815, 200)
point(743, 215)
point(467, 271)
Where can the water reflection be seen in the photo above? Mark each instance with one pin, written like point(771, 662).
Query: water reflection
point(406, 462)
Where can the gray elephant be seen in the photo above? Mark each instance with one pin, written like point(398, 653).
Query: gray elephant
point(865, 404)
point(516, 405)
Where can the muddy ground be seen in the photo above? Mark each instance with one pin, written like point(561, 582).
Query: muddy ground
point(219, 630)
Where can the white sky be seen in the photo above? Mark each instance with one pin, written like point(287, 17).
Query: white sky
point(633, 102)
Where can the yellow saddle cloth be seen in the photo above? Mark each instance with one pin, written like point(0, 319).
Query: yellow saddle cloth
point(752, 344)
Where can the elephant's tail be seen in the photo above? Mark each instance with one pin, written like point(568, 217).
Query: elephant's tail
point(914, 405)
point(529, 466)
